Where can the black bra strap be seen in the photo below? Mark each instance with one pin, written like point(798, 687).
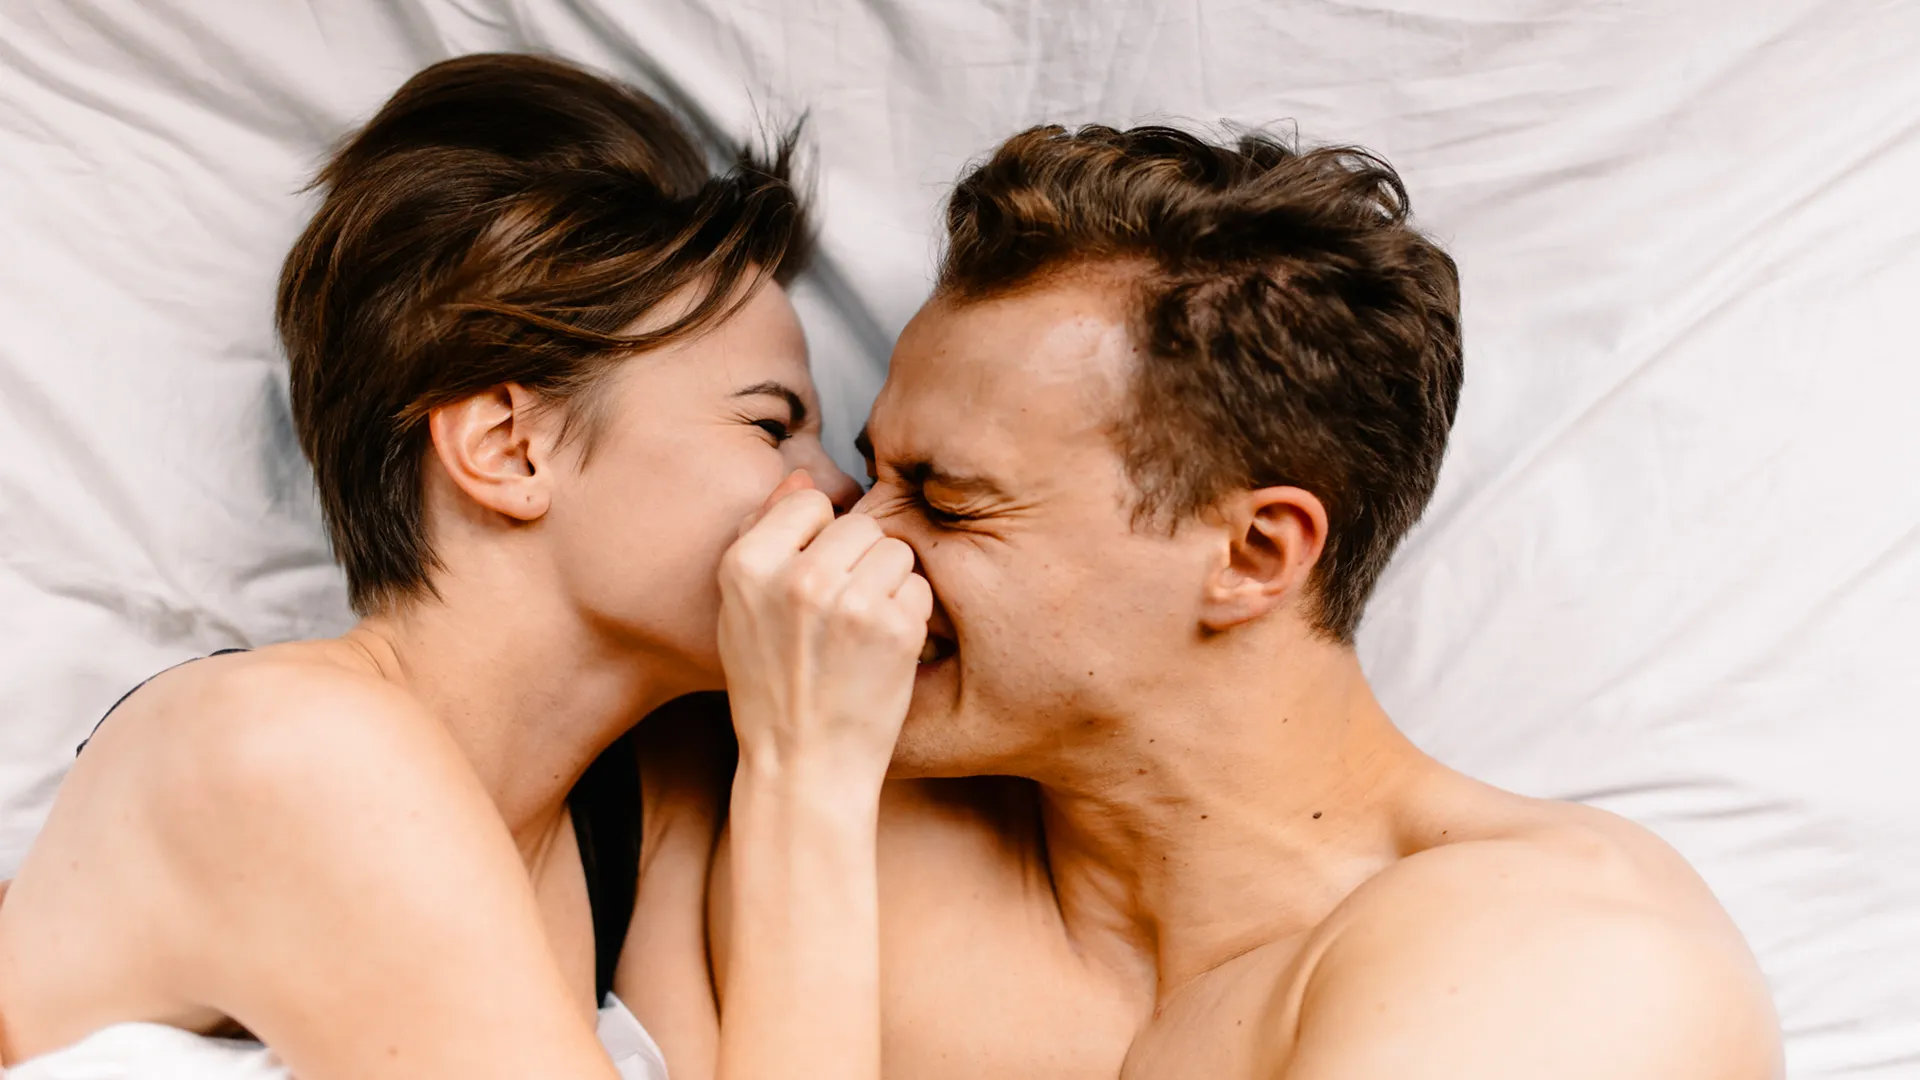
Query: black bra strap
point(606, 823)
point(135, 690)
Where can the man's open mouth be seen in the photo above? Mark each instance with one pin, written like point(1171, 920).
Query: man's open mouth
point(937, 648)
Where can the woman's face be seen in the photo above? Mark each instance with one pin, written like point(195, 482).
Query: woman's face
point(688, 441)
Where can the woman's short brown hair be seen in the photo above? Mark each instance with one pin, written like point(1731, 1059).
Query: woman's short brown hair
point(502, 219)
point(1295, 328)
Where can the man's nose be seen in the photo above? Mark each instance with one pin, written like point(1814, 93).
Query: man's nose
point(868, 500)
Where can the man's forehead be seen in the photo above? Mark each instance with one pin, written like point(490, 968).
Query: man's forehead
point(1038, 370)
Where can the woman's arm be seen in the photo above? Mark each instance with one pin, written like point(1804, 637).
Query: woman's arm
point(803, 986)
point(821, 627)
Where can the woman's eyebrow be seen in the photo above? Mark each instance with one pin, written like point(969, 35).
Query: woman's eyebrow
point(788, 394)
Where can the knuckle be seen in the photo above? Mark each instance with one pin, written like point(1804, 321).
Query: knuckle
point(892, 621)
point(908, 642)
point(809, 588)
point(736, 569)
point(854, 607)
point(917, 599)
point(798, 588)
point(755, 569)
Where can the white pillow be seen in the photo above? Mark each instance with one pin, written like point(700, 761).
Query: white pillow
point(1674, 564)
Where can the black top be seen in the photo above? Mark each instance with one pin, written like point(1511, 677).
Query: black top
point(606, 824)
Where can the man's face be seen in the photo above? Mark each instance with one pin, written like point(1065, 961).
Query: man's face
point(994, 457)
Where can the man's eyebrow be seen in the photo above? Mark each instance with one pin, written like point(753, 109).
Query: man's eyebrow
point(780, 390)
point(921, 472)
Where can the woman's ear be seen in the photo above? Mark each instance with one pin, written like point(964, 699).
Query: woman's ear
point(496, 447)
point(1274, 537)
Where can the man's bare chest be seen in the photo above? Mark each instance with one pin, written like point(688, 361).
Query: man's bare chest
point(1232, 1023)
point(985, 975)
point(1004, 993)
point(971, 992)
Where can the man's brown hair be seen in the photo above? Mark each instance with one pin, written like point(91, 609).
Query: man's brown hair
point(502, 219)
point(1294, 328)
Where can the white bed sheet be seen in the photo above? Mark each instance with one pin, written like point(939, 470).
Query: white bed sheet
point(1674, 564)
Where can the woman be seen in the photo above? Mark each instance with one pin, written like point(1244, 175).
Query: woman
point(545, 372)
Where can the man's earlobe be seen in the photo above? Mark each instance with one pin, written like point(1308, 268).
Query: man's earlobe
point(1275, 537)
point(493, 448)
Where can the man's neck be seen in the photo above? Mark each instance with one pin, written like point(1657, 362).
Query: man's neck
point(531, 699)
point(1235, 815)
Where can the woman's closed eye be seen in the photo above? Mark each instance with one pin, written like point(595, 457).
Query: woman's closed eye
point(779, 430)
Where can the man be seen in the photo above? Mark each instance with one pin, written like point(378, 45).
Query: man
point(1169, 412)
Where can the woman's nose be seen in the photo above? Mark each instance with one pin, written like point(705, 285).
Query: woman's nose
point(841, 488)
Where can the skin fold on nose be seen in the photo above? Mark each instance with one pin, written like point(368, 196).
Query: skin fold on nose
point(869, 501)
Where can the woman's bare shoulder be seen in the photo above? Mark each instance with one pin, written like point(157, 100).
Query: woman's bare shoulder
point(213, 727)
point(286, 839)
point(229, 693)
point(239, 825)
point(278, 754)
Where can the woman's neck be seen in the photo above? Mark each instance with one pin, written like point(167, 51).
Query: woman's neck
point(531, 698)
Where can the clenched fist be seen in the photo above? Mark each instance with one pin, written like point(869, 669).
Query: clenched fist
point(821, 627)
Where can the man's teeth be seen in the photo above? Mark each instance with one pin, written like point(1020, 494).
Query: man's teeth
point(928, 652)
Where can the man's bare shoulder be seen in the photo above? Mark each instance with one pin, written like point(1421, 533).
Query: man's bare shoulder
point(1564, 941)
point(1531, 850)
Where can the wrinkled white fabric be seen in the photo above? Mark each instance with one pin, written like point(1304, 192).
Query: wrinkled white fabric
point(1673, 567)
point(158, 1052)
point(153, 1052)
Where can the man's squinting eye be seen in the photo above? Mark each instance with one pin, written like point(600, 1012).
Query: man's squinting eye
point(776, 428)
point(938, 516)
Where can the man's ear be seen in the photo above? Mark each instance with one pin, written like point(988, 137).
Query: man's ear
point(1274, 537)
point(495, 446)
